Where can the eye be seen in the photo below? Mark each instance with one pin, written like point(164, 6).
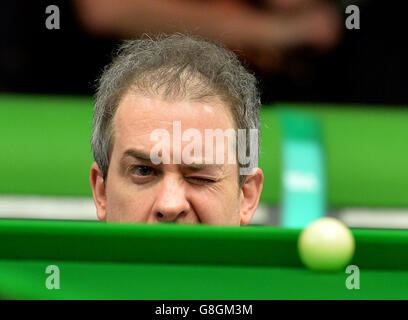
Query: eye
point(201, 180)
point(143, 171)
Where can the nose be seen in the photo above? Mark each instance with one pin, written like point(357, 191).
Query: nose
point(171, 203)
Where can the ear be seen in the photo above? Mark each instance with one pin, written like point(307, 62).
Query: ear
point(98, 190)
point(250, 193)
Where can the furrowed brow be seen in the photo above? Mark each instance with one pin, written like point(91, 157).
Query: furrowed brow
point(138, 155)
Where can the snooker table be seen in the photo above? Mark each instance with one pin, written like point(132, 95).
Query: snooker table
point(121, 261)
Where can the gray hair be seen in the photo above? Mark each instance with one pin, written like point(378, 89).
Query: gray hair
point(176, 66)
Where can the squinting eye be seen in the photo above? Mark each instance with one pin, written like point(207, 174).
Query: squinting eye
point(201, 180)
point(141, 170)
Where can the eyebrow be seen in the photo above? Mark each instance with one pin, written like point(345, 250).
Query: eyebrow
point(138, 155)
point(194, 167)
point(201, 166)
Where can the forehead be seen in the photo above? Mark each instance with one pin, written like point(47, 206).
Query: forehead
point(139, 115)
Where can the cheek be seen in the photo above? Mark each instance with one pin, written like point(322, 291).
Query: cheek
point(125, 203)
point(217, 206)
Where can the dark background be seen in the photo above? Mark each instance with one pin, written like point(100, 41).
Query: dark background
point(369, 66)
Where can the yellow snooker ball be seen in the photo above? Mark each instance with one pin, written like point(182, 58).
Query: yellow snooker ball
point(326, 245)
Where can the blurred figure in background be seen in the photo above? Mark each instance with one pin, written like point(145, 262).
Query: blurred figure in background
point(262, 31)
point(295, 47)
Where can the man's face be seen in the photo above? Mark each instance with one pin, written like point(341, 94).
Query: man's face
point(137, 190)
